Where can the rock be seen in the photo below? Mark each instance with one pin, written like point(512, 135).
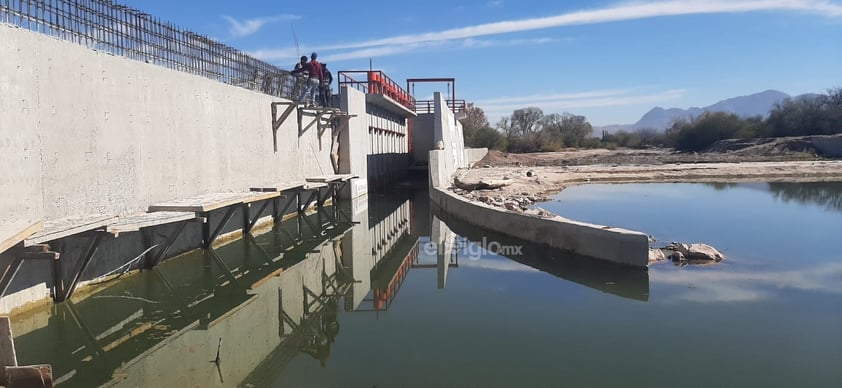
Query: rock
point(480, 185)
point(506, 178)
point(486, 166)
point(530, 173)
point(510, 205)
point(524, 193)
point(484, 198)
point(699, 252)
point(656, 255)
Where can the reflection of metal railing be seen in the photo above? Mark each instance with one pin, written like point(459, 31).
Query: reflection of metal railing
point(116, 29)
point(428, 106)
point(377, 82)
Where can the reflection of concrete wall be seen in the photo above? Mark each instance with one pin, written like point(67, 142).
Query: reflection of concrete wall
point(91, 132)
point(443, 237)
point(249, 333)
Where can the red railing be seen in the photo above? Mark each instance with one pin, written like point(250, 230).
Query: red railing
point(428, 106)
point(377, 82)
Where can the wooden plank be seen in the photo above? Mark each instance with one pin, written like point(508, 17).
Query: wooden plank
point(68, 226)
point(261, 196)
point(14, 233)
point(332, 178)
point(135, 222)
point(282, 186)
point(7, 344)
point(201, 203)
point(324, 178)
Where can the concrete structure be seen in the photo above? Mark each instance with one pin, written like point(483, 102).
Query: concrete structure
point(93, 133)
point(614, 245)
point(96, 133)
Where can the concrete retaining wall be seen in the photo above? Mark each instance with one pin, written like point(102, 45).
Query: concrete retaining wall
point(473, 155)
point(87, 132)
point(618, 246)
point(828, 146)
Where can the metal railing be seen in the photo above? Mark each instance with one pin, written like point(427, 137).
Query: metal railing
point(428, 106)
point(120, 30)
point(377, 82)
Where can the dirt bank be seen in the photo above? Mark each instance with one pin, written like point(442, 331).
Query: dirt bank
point(529, 178)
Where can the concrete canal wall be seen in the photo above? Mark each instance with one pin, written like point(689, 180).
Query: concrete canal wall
point(615, 245)
point(87, 132)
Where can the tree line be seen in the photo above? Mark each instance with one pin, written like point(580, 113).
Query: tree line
point(530, 130)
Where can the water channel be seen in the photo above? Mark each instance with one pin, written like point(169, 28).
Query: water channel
point(385, 294)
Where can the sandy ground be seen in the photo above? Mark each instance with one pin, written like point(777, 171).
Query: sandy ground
point(530, 178)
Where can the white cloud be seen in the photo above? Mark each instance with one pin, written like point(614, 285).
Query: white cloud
point(239, 29)
point(605, 15)
point(620, 12)
point(712, 286)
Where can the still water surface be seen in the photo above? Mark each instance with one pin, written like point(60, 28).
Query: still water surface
point(401, 299)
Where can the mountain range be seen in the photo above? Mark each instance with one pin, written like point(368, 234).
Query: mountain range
point(758, 104)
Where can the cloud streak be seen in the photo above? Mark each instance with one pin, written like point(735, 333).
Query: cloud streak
point(616, 13)
point(467, 35)
point(239, 29)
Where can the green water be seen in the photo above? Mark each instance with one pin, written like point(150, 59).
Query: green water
point(401, 299)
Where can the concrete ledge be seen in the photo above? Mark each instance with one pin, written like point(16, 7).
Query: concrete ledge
point(618, 246)
point(615, 245)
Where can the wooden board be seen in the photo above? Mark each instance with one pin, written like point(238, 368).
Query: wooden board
point(201, 203)
point(331, 178)
point(282, 186)
point(68, 226)
point(261, 196)
point(135, 222)
point(14, 233)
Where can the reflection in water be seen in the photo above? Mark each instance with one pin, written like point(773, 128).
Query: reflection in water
point(273, 308)
point(613, 279)
point(827, 194)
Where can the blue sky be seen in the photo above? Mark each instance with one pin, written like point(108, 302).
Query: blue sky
point(610, 61)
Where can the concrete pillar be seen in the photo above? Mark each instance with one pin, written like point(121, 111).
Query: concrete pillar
point(354, 147)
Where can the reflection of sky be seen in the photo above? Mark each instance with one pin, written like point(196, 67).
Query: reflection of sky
point(711, 285)
point(493, 262)
point(741, 221)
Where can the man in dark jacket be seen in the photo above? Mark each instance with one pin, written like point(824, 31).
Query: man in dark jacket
point(324, 90)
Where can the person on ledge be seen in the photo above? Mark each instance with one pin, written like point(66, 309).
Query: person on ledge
point(324, 89)
point(314, 71)
point(300, 85)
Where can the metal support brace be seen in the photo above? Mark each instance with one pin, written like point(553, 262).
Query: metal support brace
point(207, 236)
point(247, 218)
point(277, 121)
point(302, 206)
point(225, 270)
point(65, 291)
point(152, 261)
point(12, 260)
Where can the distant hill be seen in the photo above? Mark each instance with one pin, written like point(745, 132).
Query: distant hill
point(758, 104)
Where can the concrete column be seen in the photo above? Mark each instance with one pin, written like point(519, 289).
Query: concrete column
point(354, 147)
